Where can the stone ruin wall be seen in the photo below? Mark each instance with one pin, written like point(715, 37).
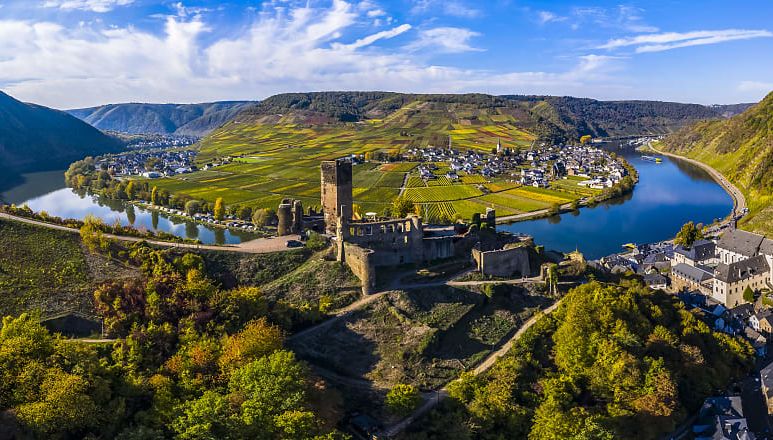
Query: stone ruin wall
point(504, 262)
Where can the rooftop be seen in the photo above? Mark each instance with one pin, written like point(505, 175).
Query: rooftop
point(741, 242)
point(741, 270)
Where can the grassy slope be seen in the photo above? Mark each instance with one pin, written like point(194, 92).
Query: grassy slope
point(741, 148)
point(47, 270)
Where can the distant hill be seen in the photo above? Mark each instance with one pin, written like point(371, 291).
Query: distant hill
point(742, 149)
point(184, 119)
point(37, 138)
point(549, 117)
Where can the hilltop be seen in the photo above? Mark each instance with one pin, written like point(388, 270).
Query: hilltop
point(36, 138)
point(741, 148)
point(182, 119)
point(549, 117)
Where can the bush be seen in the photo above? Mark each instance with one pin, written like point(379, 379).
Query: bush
point(402, 399)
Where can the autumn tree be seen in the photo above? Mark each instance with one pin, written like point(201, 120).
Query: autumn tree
point(401, 207)
point(402, 399)
point(92, 236)
point(130, 190)
point(219, 211)
point(689, 234)
point(154, 196)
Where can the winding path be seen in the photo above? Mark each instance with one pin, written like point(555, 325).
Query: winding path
point(257, 246)
point(434, 398)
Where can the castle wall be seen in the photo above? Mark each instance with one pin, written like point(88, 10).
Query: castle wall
point(284, 219)
point(503, 262)
point(360, 261)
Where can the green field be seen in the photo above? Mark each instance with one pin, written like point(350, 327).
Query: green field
point(272, 161)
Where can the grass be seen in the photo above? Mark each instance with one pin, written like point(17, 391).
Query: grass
point(48, 270)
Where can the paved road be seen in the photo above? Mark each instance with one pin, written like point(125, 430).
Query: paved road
point(257, 246)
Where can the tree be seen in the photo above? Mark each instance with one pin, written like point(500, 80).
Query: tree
point(244, 213)
point(258, 339)
point(748, 294)
point(402, 399)
point(219, 211)
point(263, 217)
point(401, 207)
point(689, 234)
point(130, 190)
point(92, 236)
point(154, 196)
point(192, 207)
point(554, 209)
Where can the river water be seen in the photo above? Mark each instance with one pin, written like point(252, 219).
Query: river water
point(46, 191)
point(668, 195)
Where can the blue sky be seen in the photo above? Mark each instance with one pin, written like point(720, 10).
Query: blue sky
point(74, 53)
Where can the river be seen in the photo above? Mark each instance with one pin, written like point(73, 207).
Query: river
point(668, 195)
point(46, 191)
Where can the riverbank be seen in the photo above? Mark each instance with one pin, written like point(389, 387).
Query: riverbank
point(257, 246)
point(739, 201)
point(569, 207)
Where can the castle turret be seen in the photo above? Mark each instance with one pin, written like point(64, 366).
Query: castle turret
point(336, 191)
point(285, 218)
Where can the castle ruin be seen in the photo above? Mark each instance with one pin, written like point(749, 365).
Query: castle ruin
point(336, 188)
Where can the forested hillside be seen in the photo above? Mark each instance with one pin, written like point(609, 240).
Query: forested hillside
point(741, 148)
point(36, 138)
point(612, 362)
point(549, 117)
point(182, 119)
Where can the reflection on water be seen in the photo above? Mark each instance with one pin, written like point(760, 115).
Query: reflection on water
point(46, 192)
point(668, 195)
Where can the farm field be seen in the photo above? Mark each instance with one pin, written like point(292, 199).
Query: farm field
point(272, 161)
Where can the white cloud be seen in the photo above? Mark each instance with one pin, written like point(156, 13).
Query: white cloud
point(370, 39)
point(87, 5)
point(376, 13)
point(445, 40)
point(674, 40)
point(546, 17)
point(295, 49)
point(454, 8)
point(625, 18)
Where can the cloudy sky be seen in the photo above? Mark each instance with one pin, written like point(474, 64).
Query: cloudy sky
point(76, 53)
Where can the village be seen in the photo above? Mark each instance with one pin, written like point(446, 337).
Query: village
point(535, 167)
point(150, 164)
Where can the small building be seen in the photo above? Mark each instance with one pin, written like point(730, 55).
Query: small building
point(730, 280)
point(722, 418)
point(655, 281)
point(701, 252)
point(686, 277)
point(762, 321)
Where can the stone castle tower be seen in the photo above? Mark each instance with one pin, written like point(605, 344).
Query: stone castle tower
point(336, 192)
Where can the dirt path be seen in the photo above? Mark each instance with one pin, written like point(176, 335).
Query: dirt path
point(257, 246)
point(529, 215)
point(404, 185)
point(739, 201)
point(433, 399)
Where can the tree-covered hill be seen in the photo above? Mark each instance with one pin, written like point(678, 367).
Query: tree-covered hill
point(741, 148)
point(182, 119)
point(612, 362)
point(550, 117)
point(36, 138)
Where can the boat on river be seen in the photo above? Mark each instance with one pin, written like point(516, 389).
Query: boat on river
point(652, 159)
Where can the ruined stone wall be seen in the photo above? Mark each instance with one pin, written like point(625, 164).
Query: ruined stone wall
point(336, 189)
point(503, 262)
point(394, 242)
point(360, 261)
point(284, 219)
